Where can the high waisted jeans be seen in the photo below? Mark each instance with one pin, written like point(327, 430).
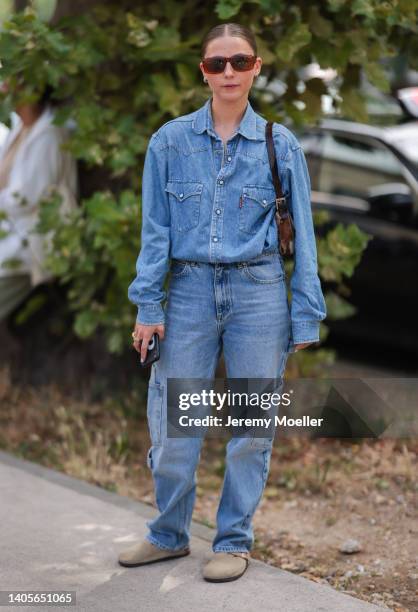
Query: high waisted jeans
point(243, 309)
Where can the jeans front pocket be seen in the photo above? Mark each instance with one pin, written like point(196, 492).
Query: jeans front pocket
point(264, 269)
point(155, 412)
point(179, 267)
point(184, 198)
point(255, 206)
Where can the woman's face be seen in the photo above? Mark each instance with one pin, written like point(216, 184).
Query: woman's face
point(230, 85)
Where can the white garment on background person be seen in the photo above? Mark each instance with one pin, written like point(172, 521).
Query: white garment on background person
point(4, 130)
point(39, 165)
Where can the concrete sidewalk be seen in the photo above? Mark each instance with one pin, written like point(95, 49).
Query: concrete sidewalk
point(60, 533)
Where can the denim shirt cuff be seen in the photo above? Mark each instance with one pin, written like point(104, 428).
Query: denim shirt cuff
point(150, 314)
point(305, 331)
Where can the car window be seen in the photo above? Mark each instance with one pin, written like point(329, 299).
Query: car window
point(354, 166)
point(408, 145)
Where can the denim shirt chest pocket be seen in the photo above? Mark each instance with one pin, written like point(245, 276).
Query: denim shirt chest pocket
point(256, 202)
point(185, 201)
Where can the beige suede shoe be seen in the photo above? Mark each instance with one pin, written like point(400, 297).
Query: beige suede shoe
point(226, 566)
point(145, 552)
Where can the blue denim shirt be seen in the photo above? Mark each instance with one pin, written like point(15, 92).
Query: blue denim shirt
point(206, 201)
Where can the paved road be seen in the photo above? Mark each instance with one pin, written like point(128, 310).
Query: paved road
point(60, 533)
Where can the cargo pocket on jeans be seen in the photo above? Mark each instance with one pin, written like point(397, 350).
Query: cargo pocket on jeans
point(262, 443)
point(155, 411)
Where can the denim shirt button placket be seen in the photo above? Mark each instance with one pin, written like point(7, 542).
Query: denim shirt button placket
point(218, 210)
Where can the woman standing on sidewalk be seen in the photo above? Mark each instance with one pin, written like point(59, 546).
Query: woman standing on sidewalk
point(208, 205)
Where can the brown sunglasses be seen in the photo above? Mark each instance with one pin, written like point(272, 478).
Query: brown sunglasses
point(239, 62)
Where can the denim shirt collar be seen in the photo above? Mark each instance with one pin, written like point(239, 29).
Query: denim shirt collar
point(203, 121)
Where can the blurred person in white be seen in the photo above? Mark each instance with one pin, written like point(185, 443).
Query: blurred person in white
point(32, 163)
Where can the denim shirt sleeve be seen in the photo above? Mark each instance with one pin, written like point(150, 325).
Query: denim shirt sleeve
point(146, 290)
point(308, 305)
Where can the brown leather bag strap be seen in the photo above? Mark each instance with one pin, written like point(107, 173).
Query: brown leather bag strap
point(284, 221)
point(272, 159)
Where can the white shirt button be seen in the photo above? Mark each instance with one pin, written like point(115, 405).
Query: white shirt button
point(264, 201)
point(221, 182)
point(229, 158)
point(215, 239)
point(181, 195)
point(218, 211)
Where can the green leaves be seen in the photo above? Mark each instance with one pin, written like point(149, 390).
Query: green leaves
point(228, 8)
point(340, 251)
point(295, 37)
point(377, 76)
point(336, 5)
point(95, 250)
point(170, 98)
point(139, 31)
point(45, 8)
point(86, 323)
point(365, 8)
point(338, 307)
point(319, 25)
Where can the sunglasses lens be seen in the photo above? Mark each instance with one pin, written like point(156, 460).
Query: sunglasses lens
point(214, 65)
point(241, 63)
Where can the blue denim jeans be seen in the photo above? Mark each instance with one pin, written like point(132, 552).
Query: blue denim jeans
point(242, 309)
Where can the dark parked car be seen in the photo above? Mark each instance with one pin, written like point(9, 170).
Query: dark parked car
point(369, 176)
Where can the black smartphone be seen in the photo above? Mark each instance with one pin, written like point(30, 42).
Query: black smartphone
point(153, 351)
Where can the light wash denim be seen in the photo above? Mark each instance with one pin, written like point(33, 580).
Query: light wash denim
point(206, 202)
point(242, 309)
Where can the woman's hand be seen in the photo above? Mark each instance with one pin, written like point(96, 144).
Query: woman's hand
point(144, 333)
point(303, 345)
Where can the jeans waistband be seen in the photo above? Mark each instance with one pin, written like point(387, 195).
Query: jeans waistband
point(226, 264)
